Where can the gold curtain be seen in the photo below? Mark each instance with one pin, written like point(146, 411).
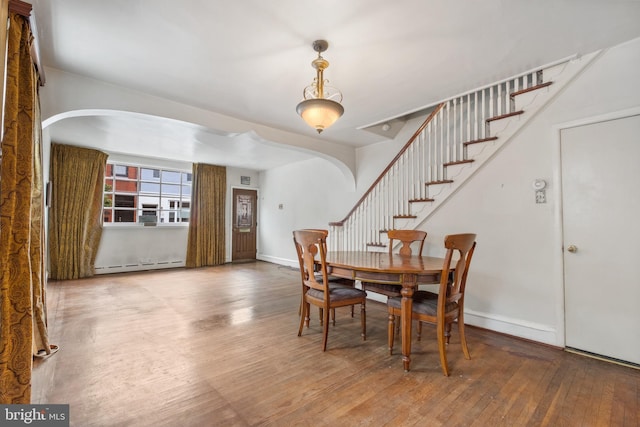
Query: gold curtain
point(41, 344)
point(21, 254)
point(75, 216)
point(206, 224)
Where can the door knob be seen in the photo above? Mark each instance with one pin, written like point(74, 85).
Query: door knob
point(573, 249)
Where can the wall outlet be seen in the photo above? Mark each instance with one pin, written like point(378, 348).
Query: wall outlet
point(541, 197)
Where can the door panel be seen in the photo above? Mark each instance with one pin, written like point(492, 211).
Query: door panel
point(601, 204)
point(244, 225)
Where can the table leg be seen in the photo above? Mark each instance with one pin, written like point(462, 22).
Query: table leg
point(408, 286)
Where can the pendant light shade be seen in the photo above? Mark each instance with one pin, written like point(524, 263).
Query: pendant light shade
point(319, 113)
point(321, 105)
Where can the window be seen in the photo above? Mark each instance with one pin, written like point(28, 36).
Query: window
point(138, 194)
point(121, 170)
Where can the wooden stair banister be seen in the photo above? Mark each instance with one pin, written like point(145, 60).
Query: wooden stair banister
point(446, 150)
point(395, 159)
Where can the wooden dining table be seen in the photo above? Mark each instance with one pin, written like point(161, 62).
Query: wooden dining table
point(381, 267)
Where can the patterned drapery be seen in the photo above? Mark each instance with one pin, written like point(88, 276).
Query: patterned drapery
point(41, 344)
point(75, 216)
point(21, 211)
point(206, 224)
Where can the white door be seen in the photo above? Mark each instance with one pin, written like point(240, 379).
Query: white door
point(601, 223)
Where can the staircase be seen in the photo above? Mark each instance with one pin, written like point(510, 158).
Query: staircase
point(458, 137)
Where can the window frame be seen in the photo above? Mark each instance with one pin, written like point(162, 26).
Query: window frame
point(131, 185)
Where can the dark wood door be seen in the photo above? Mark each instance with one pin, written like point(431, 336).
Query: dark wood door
point(244, 225)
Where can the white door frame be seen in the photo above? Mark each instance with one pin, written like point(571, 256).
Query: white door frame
point(557, 196)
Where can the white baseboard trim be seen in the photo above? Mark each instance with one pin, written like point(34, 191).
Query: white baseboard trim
point(138, 267)
point(510, 326)
point(276, 260)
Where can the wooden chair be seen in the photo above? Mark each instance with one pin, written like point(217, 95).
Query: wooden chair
point(333, 281)
point(311, 248)
point(407, 237)
point(447, 305)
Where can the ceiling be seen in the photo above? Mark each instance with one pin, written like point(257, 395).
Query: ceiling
point(251, 59)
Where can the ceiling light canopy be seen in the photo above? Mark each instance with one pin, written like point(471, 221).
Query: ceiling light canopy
point(321, 105)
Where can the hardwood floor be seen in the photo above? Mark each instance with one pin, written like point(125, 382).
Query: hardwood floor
point(219, 347)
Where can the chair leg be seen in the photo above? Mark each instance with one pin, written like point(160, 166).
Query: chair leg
point(391, 331)
point(325, 330)
point(442, 349)
point(304, 317)
point(447, 332)
point(463, 339)
point(363, 320)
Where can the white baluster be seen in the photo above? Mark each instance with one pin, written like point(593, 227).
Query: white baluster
point(469, 137)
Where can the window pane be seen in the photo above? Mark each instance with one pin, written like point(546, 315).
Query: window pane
point(108, 200)
point(171, 189)
point(123, 201)
point(175, 215)
point(184, 215)
point(149, 208)
point(150, 174)
point(149, 213)
point(186, 178)
point(120, 170)
point(186, 191)
point(121, 215)
point(148, 201)
point(126, 186)
point(169, 176)
point(149, 187)
point(109, 170)
point(170, 203)
point(107, 215)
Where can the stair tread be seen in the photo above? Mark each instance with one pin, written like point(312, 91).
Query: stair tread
point(504, 116)
point(421, 200)
point(405, 216)
point(476, 141)
point(530, 89)
point(443, 181)
point(458, 162)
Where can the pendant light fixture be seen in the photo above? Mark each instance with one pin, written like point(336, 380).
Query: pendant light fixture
point(321, 105)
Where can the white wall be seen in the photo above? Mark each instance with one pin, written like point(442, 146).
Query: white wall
point(515, 284)
point(129, 247)
point(307, 194)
